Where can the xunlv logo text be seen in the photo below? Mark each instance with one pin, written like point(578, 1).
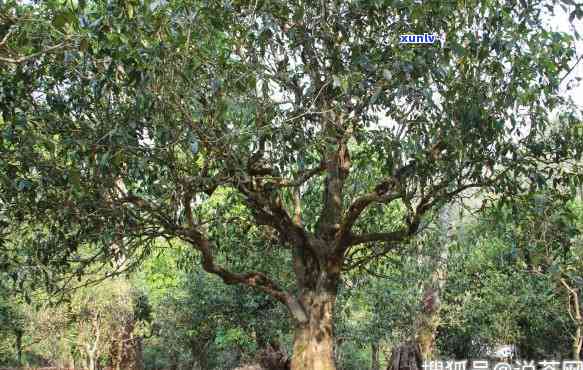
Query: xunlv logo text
point(421, 39)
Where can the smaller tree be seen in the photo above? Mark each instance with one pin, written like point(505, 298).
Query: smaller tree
point(576, 315)
point(198, 322)
point(519, 254)
point(108, 318)
point(11, 330)
point(92, 325)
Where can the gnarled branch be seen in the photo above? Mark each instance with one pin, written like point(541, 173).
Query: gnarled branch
point(356, 209)
point(256, 280)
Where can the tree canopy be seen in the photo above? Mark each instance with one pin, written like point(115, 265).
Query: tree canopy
point(292, 125)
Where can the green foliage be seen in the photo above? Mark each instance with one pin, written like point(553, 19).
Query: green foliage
point(511, 261)
point(197, 319)
point(161, 100)
point(284, 144)
point(12, 324)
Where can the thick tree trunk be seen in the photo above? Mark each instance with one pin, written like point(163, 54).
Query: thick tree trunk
point(313, 347)
point(428, 321)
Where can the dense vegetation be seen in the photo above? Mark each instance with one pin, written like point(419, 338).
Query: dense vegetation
point(206, 184)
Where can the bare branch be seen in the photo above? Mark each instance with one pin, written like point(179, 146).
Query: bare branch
point(5, 38)
point(571, 69)
point(358, 206)
point(256, 280)
point(360, 262)
point(33, 55)
point(574, 309)
point(269, 210)
point(413, 220)
point(300, 179)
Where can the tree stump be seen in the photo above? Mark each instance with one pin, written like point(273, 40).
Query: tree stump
point(274, 358)
point(406, 357)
